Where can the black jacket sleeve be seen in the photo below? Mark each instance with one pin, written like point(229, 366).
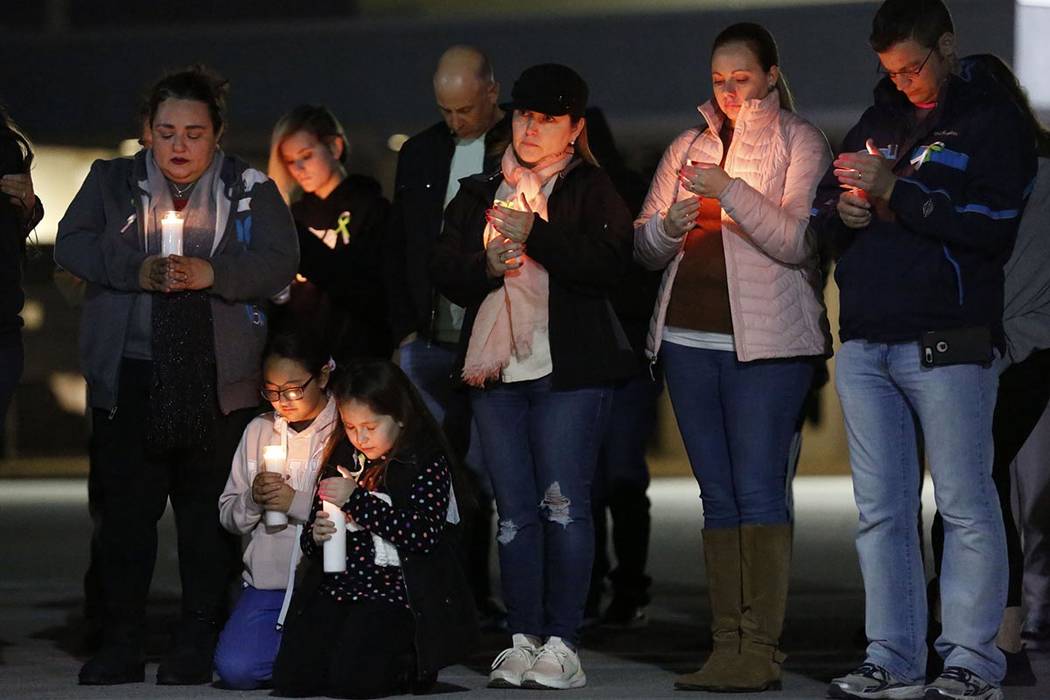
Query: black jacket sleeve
point(591, 253)
point(458, 265)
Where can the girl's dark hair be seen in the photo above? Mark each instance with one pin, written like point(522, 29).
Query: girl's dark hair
point(386, 390)
point(307, 349)
point(10, 130)
point(314, 119)
point(197, 83)
point(1000, 71)
point(925, 21)
point(762, 44)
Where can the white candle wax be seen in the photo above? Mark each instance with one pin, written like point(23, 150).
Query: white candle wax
point(274, 457)
point(171, 234)
point(335, 548)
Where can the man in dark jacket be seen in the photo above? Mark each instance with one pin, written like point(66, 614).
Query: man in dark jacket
point(923, 207)
point(470, 139)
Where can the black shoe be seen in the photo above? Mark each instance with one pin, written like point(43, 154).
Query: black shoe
point(114, 665)
point(492, 617)
point(624, 615)
point(1018, 669)
point(190, 661)
point(422, 686)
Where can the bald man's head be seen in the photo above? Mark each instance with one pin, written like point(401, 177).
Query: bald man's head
point(466, 91)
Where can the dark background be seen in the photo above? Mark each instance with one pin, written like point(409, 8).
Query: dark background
point(72, 73)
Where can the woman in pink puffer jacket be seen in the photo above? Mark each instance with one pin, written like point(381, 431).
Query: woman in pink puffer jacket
point(737, 326)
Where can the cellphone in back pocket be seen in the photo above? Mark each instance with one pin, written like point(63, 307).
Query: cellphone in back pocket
point(958, 346)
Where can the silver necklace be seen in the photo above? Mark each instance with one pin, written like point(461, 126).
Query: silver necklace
point(180, 192)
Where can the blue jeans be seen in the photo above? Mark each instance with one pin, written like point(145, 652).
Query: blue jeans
point(248, 644)
point(541, 447)
point(738, 421)
point(886, 394)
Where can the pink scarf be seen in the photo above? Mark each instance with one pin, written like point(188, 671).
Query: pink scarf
point(509, 316)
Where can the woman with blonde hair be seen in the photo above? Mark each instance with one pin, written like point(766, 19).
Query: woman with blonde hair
point(737, 326)
point(341, 220)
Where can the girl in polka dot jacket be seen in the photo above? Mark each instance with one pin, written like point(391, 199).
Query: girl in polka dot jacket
point(402, 609)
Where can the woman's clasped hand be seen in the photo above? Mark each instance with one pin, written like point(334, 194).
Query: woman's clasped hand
point(175, 273)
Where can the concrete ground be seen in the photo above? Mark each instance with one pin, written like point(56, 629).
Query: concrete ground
point(44, 551)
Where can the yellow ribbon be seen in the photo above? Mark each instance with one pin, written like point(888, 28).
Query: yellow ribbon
point(341, 226)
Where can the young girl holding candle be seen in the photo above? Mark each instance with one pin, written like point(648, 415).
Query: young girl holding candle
point(401, 610)
point(268, 498)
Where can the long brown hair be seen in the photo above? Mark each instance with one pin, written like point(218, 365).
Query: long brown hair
point(386, 390)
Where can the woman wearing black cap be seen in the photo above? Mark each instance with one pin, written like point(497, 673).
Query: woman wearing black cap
point(531, 251)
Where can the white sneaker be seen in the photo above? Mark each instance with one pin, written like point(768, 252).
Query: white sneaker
point(511, 663)
point(556, 666)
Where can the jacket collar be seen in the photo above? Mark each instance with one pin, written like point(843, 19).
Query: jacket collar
point(230, 173)
point(323, 420)
point(752, 112)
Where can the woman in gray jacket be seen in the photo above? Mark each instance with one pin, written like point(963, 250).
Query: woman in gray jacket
point(172, 331)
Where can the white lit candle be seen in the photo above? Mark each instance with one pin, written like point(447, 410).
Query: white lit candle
point(274, 458)
point(171, 234)
point(335, 548)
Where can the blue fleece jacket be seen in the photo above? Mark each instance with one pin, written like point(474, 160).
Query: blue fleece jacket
point(932, 257)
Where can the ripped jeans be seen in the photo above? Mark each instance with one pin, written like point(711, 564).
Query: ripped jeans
point(541, 447)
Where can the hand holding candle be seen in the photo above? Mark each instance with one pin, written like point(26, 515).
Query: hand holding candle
point(512, 219)
point(153, 275)
point(272, 492)
point(867, 171)
point(189, 273)
point(502, 255)
point(274, 457)
point(854, 209)
point(681, 217)
point(337, 489)
point(704, 179)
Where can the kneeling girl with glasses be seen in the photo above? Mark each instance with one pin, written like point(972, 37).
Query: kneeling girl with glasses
point(401, 610)
point(268, 498)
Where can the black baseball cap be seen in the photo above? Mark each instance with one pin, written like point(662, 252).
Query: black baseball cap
point(549, 88)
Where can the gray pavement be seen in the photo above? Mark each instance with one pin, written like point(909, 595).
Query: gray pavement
point(44, 552)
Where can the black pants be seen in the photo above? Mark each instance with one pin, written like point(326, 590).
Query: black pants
point(346, 650)
point(12, 359)
point(1024, 391)
point(132, 487)
point(621, 482)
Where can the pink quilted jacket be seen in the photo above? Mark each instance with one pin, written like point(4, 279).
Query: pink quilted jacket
point(776, 160)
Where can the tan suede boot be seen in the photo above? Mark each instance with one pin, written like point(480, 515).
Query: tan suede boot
point(765, 557)
point(722, 561)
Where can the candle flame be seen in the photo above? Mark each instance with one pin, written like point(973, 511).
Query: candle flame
point(172, 216)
